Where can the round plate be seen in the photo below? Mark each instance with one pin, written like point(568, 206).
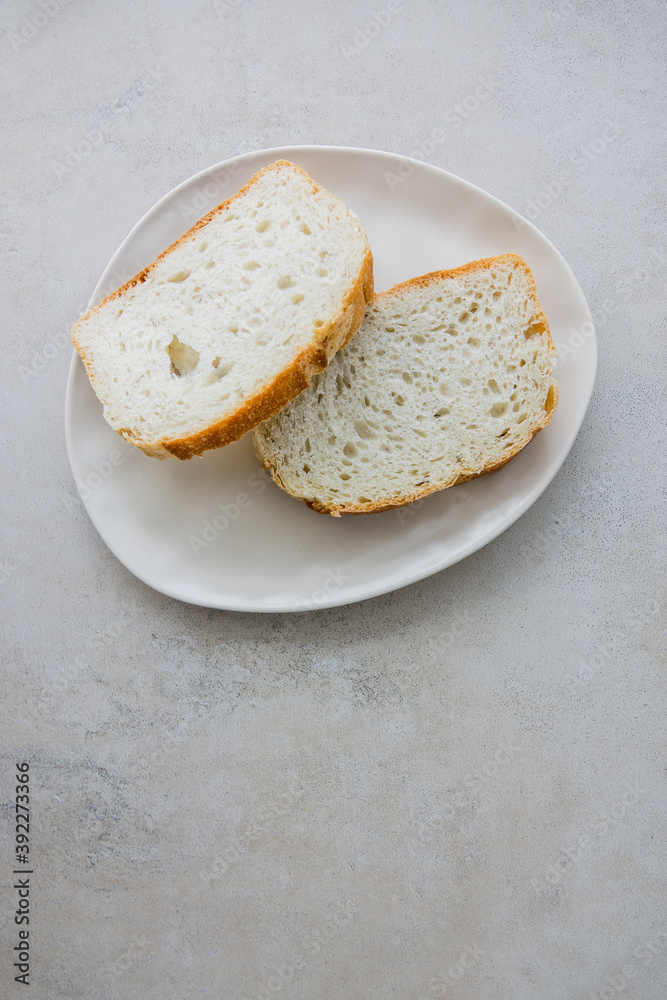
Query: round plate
point(216, 531)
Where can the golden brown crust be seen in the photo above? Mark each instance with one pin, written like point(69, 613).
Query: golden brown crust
point(271, 398)
point(551, 400)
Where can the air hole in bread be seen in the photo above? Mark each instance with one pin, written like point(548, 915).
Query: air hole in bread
point(251, 265)
point(418, 339)
point(496, 296)
point(184, 359)
point(499, 409)
point(209, 264)
point(493, 385)
point(219, 371)
point(284, 282)
point(322, 271)
point(364, 430)
point(350, 450)
point(474, 341)
point(318, 323)
point(203, 246)
point(304, 228)
point(296, 298)
point(179, 276)
point(262, 226)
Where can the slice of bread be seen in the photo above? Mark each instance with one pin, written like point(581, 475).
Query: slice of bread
point(233, 320)
point(447, 379)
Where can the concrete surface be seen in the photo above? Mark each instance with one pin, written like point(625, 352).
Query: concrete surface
point(456, 790)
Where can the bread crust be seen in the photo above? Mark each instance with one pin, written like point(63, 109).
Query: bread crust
point(272, 397)
point(390, 503)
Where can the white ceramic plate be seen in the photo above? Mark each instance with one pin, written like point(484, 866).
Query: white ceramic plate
point(213, 531)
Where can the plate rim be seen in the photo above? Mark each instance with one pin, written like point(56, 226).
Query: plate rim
point(346, 598)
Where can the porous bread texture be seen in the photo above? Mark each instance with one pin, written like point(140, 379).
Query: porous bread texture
point(448, 378)
point(233, 320)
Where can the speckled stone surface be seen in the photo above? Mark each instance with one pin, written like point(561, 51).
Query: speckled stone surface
point(456, 790)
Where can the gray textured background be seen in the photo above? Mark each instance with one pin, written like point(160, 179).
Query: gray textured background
point(456, 790)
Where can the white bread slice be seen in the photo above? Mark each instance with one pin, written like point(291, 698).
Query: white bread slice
point(448, 378)
point(232, 321)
